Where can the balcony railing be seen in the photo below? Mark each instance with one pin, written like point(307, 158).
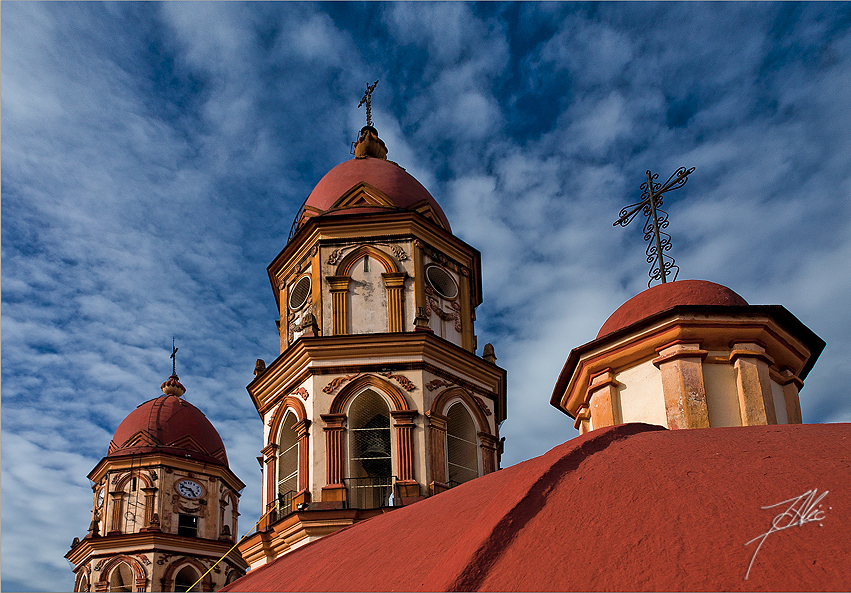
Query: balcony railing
point(283, 506)
point(372, 493)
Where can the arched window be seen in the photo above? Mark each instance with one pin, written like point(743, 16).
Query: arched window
point(121, 578)
point(370, 461)
point(84, 583)
point(185, 578)
point(461, 446)
point(288, 457)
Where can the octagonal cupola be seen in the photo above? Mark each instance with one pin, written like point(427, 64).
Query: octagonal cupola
point(689, 354)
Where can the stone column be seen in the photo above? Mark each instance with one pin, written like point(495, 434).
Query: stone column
point(601, 397)
point(335, 457)
point(753, 383)
point(437, 452)
point(117, 509)
point(270, 462)
point(395, 284)
point(150, 494)
point(791, 385)
point(681, 365)
point(141, 583)
point(339, 303)
point(488, 445)
point(404, 424)
point(301, 431)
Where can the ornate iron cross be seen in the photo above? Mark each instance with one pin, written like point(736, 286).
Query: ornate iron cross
point(173, 358)
point(657, 219)
point(367, 98)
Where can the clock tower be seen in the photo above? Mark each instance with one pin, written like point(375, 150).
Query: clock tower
point(164, 504)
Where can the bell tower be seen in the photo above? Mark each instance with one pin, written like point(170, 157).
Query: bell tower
point(164, 504)
point(378, 398)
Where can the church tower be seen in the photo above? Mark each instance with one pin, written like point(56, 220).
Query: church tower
point(164, 505)
point(378, 398)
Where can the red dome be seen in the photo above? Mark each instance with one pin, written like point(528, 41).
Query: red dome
point(171, 425)
point(398, 185)
point(664, 296)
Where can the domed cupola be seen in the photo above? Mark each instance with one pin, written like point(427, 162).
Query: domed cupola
point(689, 354)
point(169, 424)
point(369, 183)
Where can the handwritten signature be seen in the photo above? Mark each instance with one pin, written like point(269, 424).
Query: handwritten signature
point(802, 509)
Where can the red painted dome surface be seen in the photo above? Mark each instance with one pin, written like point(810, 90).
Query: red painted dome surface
point(664, 296)
point(629, 507)
point(399, 185)
point(168, 424)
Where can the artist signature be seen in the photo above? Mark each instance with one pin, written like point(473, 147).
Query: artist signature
point(801, 510)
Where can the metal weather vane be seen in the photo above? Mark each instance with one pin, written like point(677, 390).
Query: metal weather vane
point(367, 98)
point(657, 220)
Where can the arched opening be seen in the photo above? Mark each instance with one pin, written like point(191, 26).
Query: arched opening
point(121, 578)
point(370, 460)
point(84, 584)
point(461, 446)
point(287, 464)
point(185, 578)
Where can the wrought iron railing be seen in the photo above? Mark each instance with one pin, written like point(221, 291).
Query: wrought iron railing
point(283, 507)
point(372, 492)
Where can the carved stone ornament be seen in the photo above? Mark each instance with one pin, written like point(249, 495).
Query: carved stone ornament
point(335, 256)
point(302, 392)
point(419, 244)
point(465, 271)
point(335, 384)
point(399, 252)
point(435, 383)
point(99, 565)
point(272, 415)
point(482, 405)
point(406, 383)
point(144, 559)
point(164, 558)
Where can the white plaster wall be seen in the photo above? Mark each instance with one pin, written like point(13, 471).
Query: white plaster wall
point(640, 397)
point(779, 403)
point(722, 398)
point(367, 298)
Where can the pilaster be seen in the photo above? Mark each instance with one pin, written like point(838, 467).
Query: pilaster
point(601, 398)
point(394, 282)
point(339, 286)
point(681, 365)
point(334, 489)
point(437, 452)
point(753, 383)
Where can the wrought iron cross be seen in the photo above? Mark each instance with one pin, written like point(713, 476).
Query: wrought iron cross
point(657, 219)
point(367, 98)
point(173, 358)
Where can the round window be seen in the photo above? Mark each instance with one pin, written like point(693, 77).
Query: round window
point(442, 282)
point(299, 293)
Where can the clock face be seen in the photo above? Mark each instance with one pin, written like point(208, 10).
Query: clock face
point(100, 497)
point(189, 489)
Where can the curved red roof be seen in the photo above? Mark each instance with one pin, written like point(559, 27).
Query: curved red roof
point(168, 424)
point(628, 507)
point(391, 179)
point(664, 296)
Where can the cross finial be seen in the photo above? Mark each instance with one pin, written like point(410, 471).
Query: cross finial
point(657, 219)
point(173, 358)
point(367, 98)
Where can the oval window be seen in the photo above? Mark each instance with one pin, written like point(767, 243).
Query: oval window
point(442, 282)
point(299, 293)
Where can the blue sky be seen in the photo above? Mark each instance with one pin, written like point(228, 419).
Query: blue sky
point(154, 155)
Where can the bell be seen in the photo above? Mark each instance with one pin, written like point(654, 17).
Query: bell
point(376, 448)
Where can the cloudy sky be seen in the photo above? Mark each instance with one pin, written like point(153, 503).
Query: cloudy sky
point(154, 155)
